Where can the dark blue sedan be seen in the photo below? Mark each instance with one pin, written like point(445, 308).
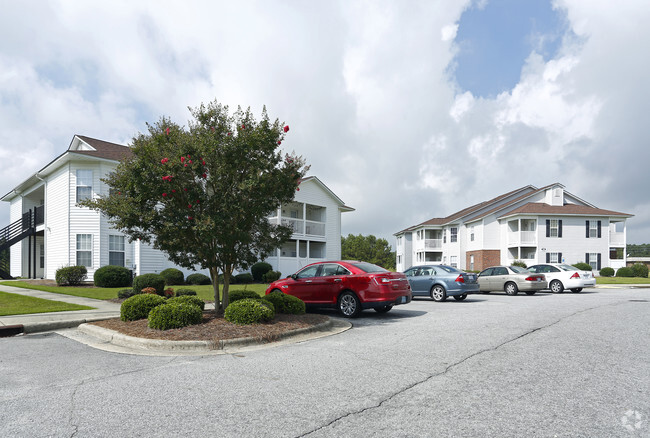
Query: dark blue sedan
point(441, 281)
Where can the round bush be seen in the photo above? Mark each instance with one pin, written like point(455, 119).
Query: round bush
point(624, 272)
point(173, 276)
point(582, 266)
point(640, 270)
point(240, 294)
point(185, 292)
point(248, 311)
point(174, 315)
point(139, 306)
point(607, 272)
point(245, 278)
point(112, 276)
point(198, 279)
point(519, 263)
point(272, 276)
point(126, 293)
point(149, 280)
point(188, 299)
point(70, 275)
point(284, 303)
point(259, 269)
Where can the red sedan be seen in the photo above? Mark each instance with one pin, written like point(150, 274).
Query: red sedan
point(349, 286)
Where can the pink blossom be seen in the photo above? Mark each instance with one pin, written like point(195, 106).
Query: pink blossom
point(164, 160)
point(286, 128)
point(167, 131)
point(279, 142)
point(189, 205)
point(185, 165)
point(173, 191)
point(190, 218)
point(182, 159)
point(204, 175)
point(164, 194)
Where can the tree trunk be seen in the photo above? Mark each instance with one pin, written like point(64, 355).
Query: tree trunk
point(214, 273)
point(226, 287)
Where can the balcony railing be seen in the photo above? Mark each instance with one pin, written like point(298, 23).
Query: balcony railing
point(315, 228)
point(616, 238)
point(522, 238)
point(297, 225)
point(432, 244)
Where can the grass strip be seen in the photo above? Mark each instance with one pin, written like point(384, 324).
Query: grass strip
point(622, 280)
point(98, 293)
point(15, 304)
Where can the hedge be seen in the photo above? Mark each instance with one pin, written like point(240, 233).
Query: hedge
point(198, 279)
point(112, 276)
point(139, 306)
point(240, 294)
point(70, 275)
point(607, 272)
point(582, 266)
point(149, 280)
point(624, 272)
point(284, 303)
point(185, 292)
point(259, 269)
point(173, 276)
point(248, 311)
point(640, 270)
point(188, 299)
point(272, 276)
point(174, 315)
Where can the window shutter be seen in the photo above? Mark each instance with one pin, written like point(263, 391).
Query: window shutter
point(587, 229)
point(548, 257)
point(586, 257)
point(559, 257)
point(548, 228)
point(559, 228)
point(598, 263)
point(599, 223)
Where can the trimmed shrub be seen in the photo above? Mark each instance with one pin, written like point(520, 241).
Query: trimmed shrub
point(284, 303)
point(607, 272)
point(149, 280)
point(174, 315)
point(182, 292)
point(112, 276)
point(240, 294)
point(640, 270)
point(198, 279)
point(582, 266)
point(169, 293)
point(173, 277)
point(272, 276)
point(245, 278)
point(248, 311)
point(519, 263)
point(188, 299)
point(259, 269)
point(624, 272)
point(70, 275)
point(139, 306)
point(149, 290)
point(233, 279)
point(126, 293)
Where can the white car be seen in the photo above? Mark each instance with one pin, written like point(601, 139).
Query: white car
point(561, 276)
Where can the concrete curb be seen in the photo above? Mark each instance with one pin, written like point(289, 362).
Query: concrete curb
point(119, 339)
point(45, 326)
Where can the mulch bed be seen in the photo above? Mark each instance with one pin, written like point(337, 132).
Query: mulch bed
point(215, 328)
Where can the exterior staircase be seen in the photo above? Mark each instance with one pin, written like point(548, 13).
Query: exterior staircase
point(17, 231)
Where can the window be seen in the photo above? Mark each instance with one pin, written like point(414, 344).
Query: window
point(471, 261)
point(453, 261)
point(593, 229)
point(454, 235)
point(85, 250)
point(471, 233)
point(84, 184)
point(309, 271)
point(116, 250)
point(554, 228)
point(444, 236)
point(616, 253)
point(553, 257)
point(593, 259)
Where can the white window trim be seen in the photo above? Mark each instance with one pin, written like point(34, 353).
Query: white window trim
point(122, 251)
point(78, 185)
point(593, 229)
point(84, 250)
point(555, 226)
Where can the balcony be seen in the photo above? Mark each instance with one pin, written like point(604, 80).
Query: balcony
point(617, 239)
point(301, 226)
point(430, 244)
point(519, 238)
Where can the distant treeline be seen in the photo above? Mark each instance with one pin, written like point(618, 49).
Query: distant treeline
point(642, 250)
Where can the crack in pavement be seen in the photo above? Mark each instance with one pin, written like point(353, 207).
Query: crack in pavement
point(450, 367)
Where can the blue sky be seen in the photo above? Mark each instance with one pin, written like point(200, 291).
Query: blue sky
point(406, 110)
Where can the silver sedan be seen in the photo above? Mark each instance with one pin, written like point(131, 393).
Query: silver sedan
point(511, 280)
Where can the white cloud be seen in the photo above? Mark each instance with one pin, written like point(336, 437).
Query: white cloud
point(363, 85)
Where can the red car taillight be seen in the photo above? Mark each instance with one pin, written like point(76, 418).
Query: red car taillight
point(382, 280)
point(534, 278)
point(460, 279)
point(575, 275)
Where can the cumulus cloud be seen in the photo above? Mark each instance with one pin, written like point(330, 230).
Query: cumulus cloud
point(366, 86)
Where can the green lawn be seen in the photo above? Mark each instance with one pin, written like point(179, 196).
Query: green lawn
point(14, 304)
point(622, 280)
point(106, 293)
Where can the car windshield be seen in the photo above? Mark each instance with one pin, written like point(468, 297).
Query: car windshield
point(449, 269)
point(567, 267)
point(368, 267)
point(519, 269)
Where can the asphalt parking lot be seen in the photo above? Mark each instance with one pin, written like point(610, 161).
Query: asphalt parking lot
point(568, 365)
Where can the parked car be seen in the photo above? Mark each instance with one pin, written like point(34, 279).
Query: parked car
point(561, 276)
point(349, 286)
point(440, 282)
point(511, 279)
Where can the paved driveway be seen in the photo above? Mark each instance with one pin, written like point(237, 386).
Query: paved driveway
point(494, 365)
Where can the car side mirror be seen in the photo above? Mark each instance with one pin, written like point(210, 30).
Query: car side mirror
point(292, 276)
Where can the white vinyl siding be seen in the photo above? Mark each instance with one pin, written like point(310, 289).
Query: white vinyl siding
point(57, 205)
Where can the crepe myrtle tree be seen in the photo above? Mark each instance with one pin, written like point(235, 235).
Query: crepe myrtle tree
point(203, 194)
